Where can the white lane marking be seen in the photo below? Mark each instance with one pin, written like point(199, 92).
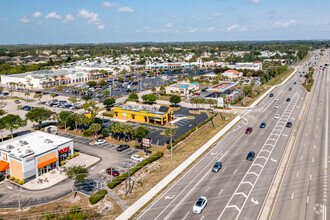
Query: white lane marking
point(297, 173)
point(306, 134)
point(220, 192)
point(310, 177)
point(292, 195)
point(202, 217)
point(101, 170)
point(235, 171)
point(314, 146)
point(224, 169)
point(169, 197)
point(185, 216)
point(316, 135)
point(300, 157)
point(307, 199)
point(313, 160)
point(208, 188)
point(92, 168)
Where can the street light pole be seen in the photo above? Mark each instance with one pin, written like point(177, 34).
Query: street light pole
point(171, 145)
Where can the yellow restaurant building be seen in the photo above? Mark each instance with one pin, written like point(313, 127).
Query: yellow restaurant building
point(33, 154)
point(144, 113)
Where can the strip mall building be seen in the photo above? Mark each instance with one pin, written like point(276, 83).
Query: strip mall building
point(33, 154)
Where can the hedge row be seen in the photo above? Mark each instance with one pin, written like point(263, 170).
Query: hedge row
point(108, 114)
point(190, 131)
point(8, 137)
point(123, 177)
point(93, 199)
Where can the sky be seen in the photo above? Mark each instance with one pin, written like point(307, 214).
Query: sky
point(94, 21)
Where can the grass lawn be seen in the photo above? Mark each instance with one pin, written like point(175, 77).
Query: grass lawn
point(167, 98)
point(308, 87)
point(279, 79)
point(249, 100)
point(150, 175)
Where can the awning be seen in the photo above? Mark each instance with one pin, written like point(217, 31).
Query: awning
point(4, 165)
point(43, 164)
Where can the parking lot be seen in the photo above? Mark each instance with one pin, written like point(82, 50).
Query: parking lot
point(110, 158)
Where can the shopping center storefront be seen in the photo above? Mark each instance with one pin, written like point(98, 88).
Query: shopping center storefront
point(34, 154)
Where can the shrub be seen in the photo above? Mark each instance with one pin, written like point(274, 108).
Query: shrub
point(108, 114)
point(49, 215)
point(189, 132)
point(21, 182)
point(68, 158)
point(93, 199)
point(62, 162)
point(105, 132)
point(87, 133)
point(140, 165)
point(16, 180)
point(11, 178)
point(8, 137)
point(76, 154)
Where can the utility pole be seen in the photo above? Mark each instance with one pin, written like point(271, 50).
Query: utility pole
point(19, 199)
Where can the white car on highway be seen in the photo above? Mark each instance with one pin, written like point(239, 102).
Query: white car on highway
point(277, 116)
point(277, 106)
point(200, 205)
point(137, 157)
point(276, 99)
point(100, 141)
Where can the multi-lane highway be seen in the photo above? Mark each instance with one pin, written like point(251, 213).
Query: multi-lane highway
point(238, 190)
point(303, 193)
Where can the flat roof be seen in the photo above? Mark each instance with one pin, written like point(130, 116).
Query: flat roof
point(183, 85)
point(222, 87)
point(155, 109)
point(45, 73)
point(34, 143)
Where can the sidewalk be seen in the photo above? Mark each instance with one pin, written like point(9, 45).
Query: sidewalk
point(128, 213)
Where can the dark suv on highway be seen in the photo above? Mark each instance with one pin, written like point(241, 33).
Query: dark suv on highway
point(250, 155)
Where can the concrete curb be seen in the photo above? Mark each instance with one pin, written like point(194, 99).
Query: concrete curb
point(128, 213)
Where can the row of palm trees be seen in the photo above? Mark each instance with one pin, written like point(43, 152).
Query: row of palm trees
point(202, 101)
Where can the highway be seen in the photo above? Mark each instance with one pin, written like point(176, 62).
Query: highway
point(238, 190)
point(303, 193)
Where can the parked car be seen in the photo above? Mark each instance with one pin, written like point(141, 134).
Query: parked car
point(248, 130)
point(250, 155)
point(112, 171)
point(290, 89)
point(216, 167)
point(277, 106)
point(263, 125)
point(122, 147)
point(2, 106)
point(289, 124)
point(276, 99)
point(200, 205)
point(277, 116)
point(100, 141)
point(271, 95)
point(17, 101)
point(137, 158)
point(288, 99)
point(294, 83)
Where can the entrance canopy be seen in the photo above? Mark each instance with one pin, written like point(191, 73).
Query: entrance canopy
point(4, 165)
point(50, 161)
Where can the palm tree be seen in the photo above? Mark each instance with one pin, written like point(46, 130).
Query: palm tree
point(55, 79)
point(62, 78)
point(11, 92)
point(27, 95)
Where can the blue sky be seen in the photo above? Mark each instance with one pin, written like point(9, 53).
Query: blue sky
point(93, 21)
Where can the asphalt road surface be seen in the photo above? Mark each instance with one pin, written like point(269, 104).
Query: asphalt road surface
point(304, 192)
point(238, 190)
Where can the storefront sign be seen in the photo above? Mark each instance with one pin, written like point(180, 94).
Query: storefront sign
point(64, 150)
point(29, 158)
point(79, 74)
point(146, 142)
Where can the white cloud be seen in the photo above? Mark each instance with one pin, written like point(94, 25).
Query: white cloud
point(233, 27)
point(193, 30)
point(53, 15)
point(211, 29)
point(68, 17)
point(3, 19)
point(285, 24)
point(37, 14)
point(236, 27)
point(125, 9)
point(91, 18)
point(254, 1)
point(110, 5)
point(25, 19)
point(169, 25)
point(216, 15)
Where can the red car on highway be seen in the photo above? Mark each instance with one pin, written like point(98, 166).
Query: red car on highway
point(113, 171)
point(248, 130)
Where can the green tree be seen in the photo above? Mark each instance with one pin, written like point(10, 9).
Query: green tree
point(39, 115)
point(91, 83)
point(86, 98)
point(153, 89)
point(105, 132)
point(77, 173)
point(106, 92)
point(38, 96)
point(150, 98)
point(109, 101)
point(162, 88)
point(2, 112)
point(12, 122)
point(133, 96)
point(103, 83)
point(73, 100)
point(27, 94)
point(248, 91)
point(62, 118)
point(53, 95)
point(141, 132)
point(95, 128)
point(175, 99)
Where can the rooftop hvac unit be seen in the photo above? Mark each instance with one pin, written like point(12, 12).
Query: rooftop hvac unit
point(48, 141)
point(9, 146)
point(28, 151)
point(23, 142)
